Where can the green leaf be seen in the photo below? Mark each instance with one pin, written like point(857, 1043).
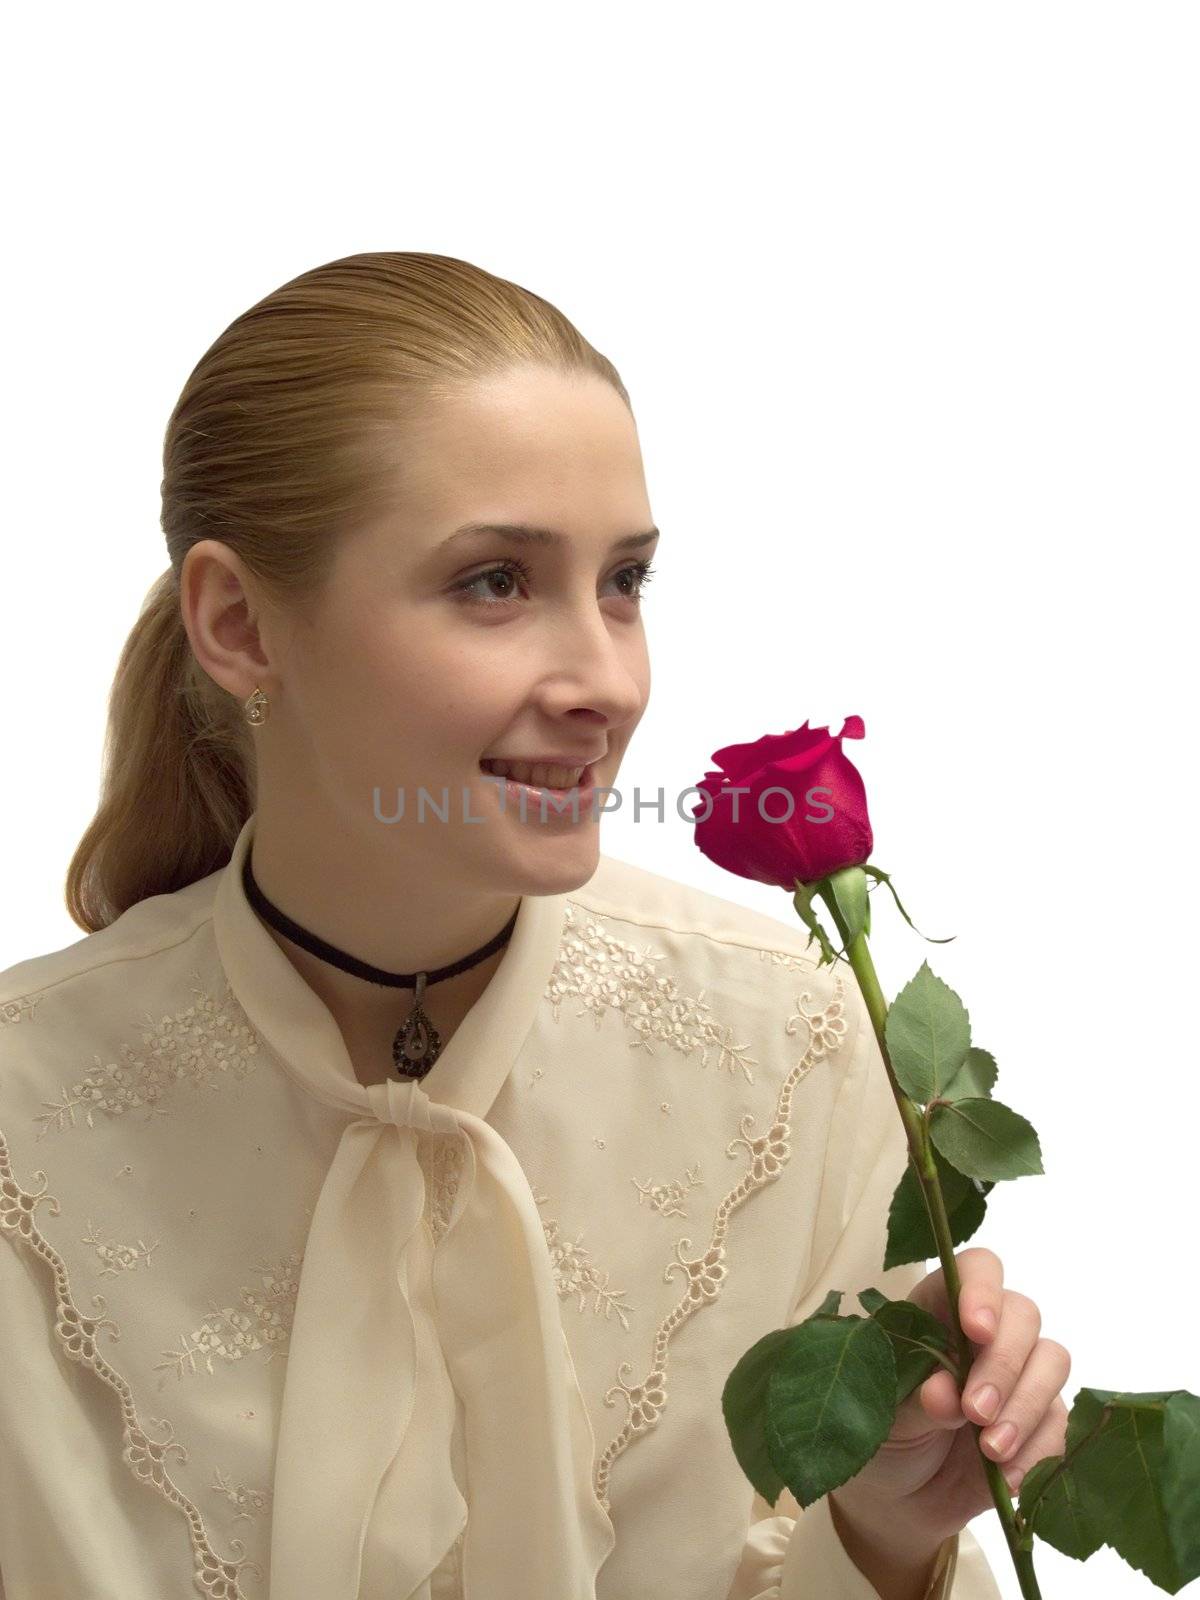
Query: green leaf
point(744, 1406)
point(916, 1336)
point(831, 1402)
point(1118, 1473)
point(744, 1402)
point(1121, 1475)
point(985, 1139)
point(909, 1230)
point(976, 1076)
point(910, 1235)
point(871, 1300)
point(928, 1034)
point(1181, 1478)
point(969, 1212)
point(1054, 1513)
point(803, 902)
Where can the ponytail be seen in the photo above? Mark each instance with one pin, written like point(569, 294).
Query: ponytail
point(178, 773)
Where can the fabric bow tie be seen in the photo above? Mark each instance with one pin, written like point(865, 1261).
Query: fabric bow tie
point(370, 1386)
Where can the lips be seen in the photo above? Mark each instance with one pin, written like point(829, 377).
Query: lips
point(578, 759)
point(585, 781)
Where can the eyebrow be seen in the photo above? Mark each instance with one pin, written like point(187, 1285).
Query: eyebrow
point(523, 533)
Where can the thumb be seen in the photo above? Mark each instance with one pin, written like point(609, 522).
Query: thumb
point(933, 1406)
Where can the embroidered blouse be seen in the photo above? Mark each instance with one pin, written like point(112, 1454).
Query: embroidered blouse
point(267, 1333)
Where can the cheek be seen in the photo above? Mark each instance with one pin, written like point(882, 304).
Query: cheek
point(380, 666)
point(360, 692)
point(430, 705)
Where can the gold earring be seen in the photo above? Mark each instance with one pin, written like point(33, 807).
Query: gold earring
point(256, 707)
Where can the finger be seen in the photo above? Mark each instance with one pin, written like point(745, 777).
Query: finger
point(940, 1400)
point(932, 1407)
point(1048, 1439)
point(981, 1292)
point(1039, 1385)
point(997, 1367)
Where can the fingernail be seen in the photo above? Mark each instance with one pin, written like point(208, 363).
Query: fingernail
point(1013, 1478)
point(986, 1401)
point(1000, 1439)
point(986, 1320)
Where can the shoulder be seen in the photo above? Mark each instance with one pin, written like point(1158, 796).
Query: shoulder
point(696, 970)
point(622, 892)
point(631, 924)
point(57, 987)
point(96, 1034)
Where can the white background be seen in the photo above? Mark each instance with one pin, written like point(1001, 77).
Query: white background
point(906, 301)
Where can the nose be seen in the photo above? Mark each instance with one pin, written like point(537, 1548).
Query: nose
point(601, 663)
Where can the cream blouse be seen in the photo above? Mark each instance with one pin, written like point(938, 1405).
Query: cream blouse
point(267, 1333)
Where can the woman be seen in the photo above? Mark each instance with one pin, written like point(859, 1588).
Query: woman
point(390, 1181)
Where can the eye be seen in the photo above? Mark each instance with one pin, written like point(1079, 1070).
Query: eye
point(513, 568)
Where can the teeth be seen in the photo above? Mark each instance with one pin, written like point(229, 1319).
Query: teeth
point(539, 774)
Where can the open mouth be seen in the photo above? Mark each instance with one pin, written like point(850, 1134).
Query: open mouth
point(583, 782)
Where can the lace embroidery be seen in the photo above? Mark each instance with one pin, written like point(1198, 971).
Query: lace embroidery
point(574, 1275)
point(19, 1010)
point(264, 1323)
point(257, 1500)
point(441, 1157)
point(213, 1578)
point(826, 1029)
point(784, 958)
point(606, 974)
point(119, 1257)
point(665, 1198)
point(208, 1041)
point(705, 1273)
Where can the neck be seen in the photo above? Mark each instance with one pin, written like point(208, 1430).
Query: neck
point(368, 1018)
point(394, 921)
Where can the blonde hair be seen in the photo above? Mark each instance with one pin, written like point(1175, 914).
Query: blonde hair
point(284, 437)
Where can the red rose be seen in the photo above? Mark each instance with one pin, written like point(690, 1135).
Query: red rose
point(813, 821)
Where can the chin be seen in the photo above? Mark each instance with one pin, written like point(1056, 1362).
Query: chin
point(559, 865)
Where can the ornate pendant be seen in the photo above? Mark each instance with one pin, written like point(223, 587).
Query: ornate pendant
point(416, 1045)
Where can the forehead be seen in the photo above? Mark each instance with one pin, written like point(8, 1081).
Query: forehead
point(529, 430)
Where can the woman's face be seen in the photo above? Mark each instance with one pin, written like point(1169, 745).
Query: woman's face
point(431, 651)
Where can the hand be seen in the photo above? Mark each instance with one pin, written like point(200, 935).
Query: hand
point(930, 1461)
